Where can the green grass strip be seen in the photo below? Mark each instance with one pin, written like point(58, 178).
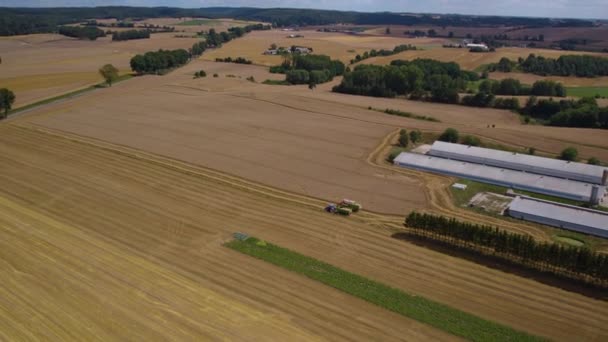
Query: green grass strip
point(418, 308)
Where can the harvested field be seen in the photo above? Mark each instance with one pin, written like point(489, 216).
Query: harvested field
point(472, 60)
point(107, 222)
point(143, 182)
point(40, 66)
point(596, 35)
point(194, 25)
point(337, 45)
point(310, 142)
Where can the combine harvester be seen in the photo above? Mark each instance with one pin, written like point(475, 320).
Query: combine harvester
point(345, 208)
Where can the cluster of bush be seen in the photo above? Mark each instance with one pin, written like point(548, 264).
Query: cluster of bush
point(156, 62)
point(405, 138)
point(382, 52)
point(584, 112)
point(574, 262)
point(200, 73)
point(238, 60)
point(80, 32)
point(131, 34)
point(567, 65)
point(419, 79)
point(7, 98)
point(309, 69)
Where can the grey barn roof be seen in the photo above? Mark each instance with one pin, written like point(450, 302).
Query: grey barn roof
point(505, 177)
point(560, 215)
point(517, 161)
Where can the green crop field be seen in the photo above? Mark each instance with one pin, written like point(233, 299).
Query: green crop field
point(587, 91)
point(421, 309)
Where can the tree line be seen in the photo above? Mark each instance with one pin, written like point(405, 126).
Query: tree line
point(419, 79)
point(383, 52)
point(237, 60)
point(156, 62)
point(309, 69)
point(215, 39)
point(567, 65)
point(14, 21)
point(573, 262)
point(131, 34)
point(82, 32)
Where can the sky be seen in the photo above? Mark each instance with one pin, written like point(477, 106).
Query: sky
point(539, 8)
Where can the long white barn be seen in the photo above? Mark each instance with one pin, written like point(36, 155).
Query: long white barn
point(552, 186)
point(559, 215)
point(523, 162)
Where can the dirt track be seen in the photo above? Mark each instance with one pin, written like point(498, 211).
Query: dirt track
point(145, 232)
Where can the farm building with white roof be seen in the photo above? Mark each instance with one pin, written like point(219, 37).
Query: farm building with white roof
point(553, 186)
point(522, 162)
point(559, 215)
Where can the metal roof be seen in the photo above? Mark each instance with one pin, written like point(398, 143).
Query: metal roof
point(518, 158)
point(551, 185)
point(560, 212)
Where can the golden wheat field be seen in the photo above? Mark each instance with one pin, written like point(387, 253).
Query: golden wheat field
point(114, 205)
point(40, 66)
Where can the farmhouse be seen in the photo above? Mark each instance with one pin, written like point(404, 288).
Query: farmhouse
point(559, 215)
point(522, 162)
point(510, 178)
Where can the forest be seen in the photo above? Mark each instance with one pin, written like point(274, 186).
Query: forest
point(573, 262)
point(86, 32)
point(419, 79)
point(15, 21)
point(130, 34)
point(567, 65)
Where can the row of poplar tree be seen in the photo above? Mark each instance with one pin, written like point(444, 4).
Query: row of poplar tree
point(574, 262)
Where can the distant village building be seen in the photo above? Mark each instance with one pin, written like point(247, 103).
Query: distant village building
point(477, 46)
point(303, 50)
